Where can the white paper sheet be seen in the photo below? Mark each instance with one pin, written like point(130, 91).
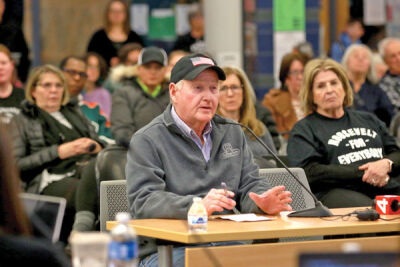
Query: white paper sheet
point(181, 18)
point(246, 217)
point(374, 12)
point(140, 18)
point(283, 44)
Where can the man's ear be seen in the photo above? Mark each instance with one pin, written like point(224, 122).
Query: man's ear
point(172, 92)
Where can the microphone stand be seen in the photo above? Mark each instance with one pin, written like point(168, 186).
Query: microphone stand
point(319, 210)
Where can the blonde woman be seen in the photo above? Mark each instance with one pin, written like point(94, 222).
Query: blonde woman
point(348, 155)
point(55, 147)
point(236, 102)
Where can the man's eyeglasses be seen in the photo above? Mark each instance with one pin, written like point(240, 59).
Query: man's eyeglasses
point(234, 88)
point(82, 75)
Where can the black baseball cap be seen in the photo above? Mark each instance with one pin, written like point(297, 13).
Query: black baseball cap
point(153, 54)
point(188, 67)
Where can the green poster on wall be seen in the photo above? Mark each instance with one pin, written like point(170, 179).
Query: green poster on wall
point(162, 25)
point(289, 15)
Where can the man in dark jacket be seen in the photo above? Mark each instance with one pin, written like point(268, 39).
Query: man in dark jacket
point(146, 96)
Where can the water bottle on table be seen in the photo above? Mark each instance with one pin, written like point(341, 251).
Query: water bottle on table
point(197, 216)
point(123, 249)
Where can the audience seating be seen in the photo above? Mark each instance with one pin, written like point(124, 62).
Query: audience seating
point(110, 164)
point(279, 176)
point(301, 198)
point(113, 199)
point(264, 162)
point(283, 158)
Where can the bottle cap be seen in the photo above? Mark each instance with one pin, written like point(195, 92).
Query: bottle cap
point(196, 199)
point(351, 247)
point(123, 217)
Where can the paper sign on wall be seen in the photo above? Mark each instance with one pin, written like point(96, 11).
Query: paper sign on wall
point(162, 24)
point(289, 15)
point(140, 18)
point(374, 12)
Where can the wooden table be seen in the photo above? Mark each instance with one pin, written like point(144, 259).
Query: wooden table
point(280, 227)
point(284, 253)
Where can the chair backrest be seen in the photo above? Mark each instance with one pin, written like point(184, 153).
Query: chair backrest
point(283, 158)
point(279, 176)
point(263, 162)
point(113, 199)
point(110, 163)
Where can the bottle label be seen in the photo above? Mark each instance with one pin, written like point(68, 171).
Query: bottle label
point(124, 251)
point(197, 220)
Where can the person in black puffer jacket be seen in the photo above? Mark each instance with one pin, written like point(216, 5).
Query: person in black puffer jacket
point(55, 147)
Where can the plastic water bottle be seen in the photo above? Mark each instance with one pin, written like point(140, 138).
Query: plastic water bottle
point(197, 216)
point(123, 249)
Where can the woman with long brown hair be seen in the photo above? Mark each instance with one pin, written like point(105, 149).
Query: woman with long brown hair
point(116, 32)
point(13, 220)
point(17, 247)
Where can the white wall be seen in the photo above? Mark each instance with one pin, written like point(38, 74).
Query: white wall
point(224, 31)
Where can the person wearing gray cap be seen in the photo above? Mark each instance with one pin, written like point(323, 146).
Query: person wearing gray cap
point(144, 98)
point(189, 151)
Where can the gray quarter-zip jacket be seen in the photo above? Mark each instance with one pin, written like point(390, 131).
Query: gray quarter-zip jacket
point(166, 169)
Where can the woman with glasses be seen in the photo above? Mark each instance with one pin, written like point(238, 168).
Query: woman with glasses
point(236, 102)
point(55, 147)
point(284, 103)
point(348, 155)
point(116, 32)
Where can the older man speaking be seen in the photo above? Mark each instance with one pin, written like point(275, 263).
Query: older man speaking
point(185, 152)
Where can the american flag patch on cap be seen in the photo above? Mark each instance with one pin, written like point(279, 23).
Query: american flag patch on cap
point(201, 61)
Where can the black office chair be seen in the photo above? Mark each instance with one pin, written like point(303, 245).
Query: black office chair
point(110, 164)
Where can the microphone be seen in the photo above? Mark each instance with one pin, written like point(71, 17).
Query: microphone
point(395, 206)
point(319, 211)
point(367, 215)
